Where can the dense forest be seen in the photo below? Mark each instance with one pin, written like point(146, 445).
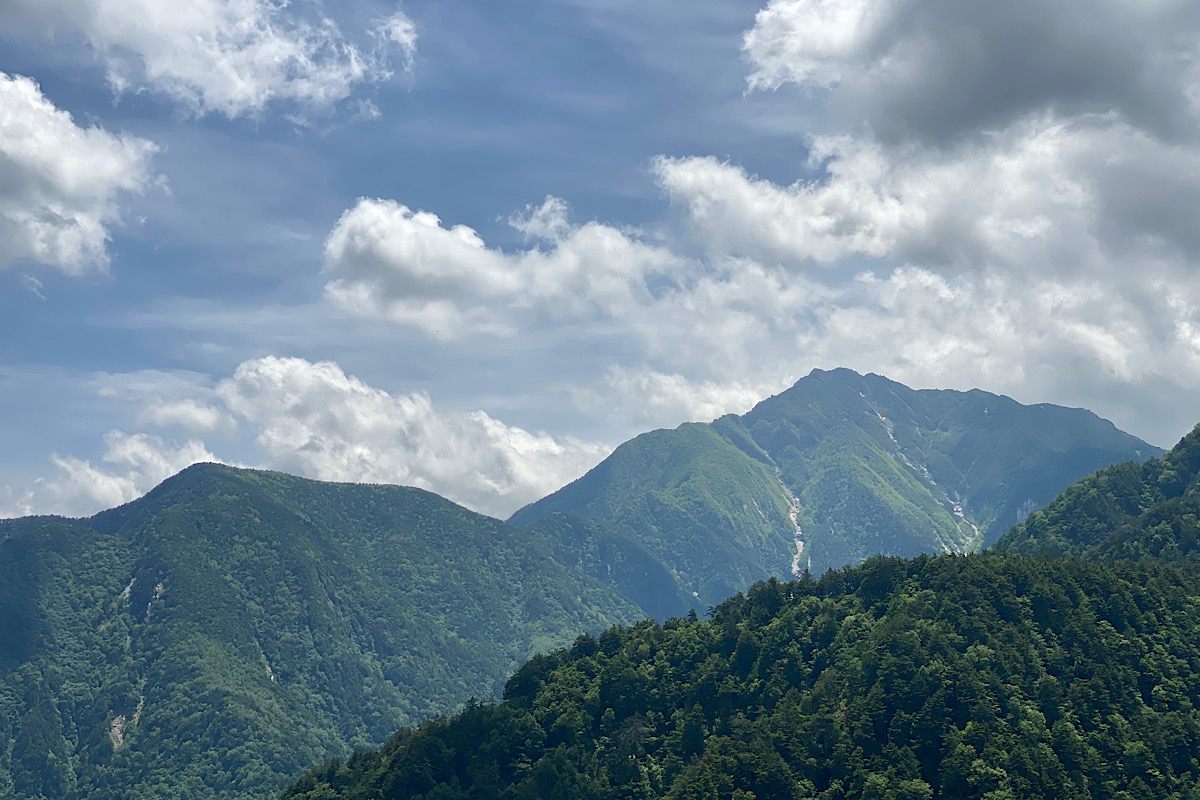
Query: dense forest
point(990, 676)
point(866, 465)
point(232, 628)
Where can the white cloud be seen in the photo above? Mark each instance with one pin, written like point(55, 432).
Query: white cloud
point(401, 265)
point(230, 57)
point(60, 184)
point(1069, 196)
point(974, 137)
point(980, 268)
point(313, 419)
point(810, 42)
point(550, 221)
point(138, 462)
point(732, 212)
point(193, 415)
point(648, 398)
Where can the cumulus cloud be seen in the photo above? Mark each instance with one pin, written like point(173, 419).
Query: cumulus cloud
point(230, 57)
point(648, 398)
point(391, 262)
point(1075, 195)
point(994, 195)
point(133, 465)
point(195, 416)
point(973, 135)
point(993, 269)
point(939, 71)
point(61, 184)
point(314, 420)
point(811, 42)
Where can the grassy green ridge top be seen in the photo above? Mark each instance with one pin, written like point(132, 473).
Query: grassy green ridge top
point(233, 627)
point(983, 677)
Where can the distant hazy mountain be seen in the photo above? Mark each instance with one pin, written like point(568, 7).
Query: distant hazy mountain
point(1148, 510)
point(232, 628)
point(862, 464)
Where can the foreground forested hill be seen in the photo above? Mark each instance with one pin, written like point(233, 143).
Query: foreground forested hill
point(231, 628)
point(837, 468)
point(988, 677)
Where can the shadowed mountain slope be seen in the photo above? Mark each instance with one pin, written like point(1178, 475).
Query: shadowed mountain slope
point(1147, 510)
point(217, 636)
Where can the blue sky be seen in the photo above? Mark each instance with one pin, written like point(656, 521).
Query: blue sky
point(669, 211)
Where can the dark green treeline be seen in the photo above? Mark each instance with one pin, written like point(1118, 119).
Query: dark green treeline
point(992, 676)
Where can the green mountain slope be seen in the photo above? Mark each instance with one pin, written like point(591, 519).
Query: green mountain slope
point(983, 677)
point(610, 554)
point(232, 627)
point(715, 515)
point(865, 464)
point(1126, 511)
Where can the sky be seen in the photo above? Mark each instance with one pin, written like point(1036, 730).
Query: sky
point(473, 246)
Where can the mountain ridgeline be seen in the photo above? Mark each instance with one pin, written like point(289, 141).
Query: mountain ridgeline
point(838, 468)
point(231, 628)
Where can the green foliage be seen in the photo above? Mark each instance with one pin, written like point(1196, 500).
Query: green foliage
point(875, 467)
point(983, 677)
point(218, 636)
point(1145, 510)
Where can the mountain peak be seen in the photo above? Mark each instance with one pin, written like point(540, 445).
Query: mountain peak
point(837, 373)
point(836, 468)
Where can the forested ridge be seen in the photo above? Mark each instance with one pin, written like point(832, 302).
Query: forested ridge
point(992, 676)
point(232, 628)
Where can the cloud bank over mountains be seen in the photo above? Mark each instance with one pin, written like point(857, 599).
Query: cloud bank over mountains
point(312, 419)
point(992, 194)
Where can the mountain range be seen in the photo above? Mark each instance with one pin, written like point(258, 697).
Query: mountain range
point(1062, 663)
point(231, 628)
point(839, 467)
